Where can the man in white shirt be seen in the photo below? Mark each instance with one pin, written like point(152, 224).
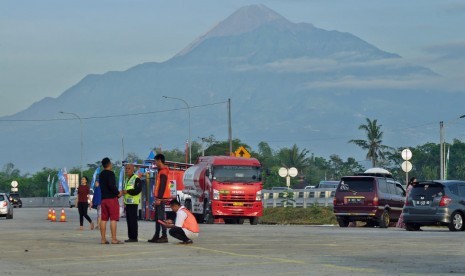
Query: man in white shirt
point(185, 228)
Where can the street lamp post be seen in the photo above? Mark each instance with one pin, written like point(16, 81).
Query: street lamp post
point(189, 113)
point(442, 153)
point(82, 144)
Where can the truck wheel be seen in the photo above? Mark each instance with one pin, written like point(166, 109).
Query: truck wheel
point(199, 218)
point(188, 205)
point(384, 220)
point(240, 221)
point(207, 214)
point(253, 221)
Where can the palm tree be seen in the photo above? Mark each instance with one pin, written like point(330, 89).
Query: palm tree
point(294, 157)
point(373, 143)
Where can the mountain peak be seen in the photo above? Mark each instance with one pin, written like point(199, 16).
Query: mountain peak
point(245, 19)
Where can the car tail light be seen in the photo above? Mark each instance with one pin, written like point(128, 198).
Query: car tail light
point(375, 201)
point(334, 201)
point(445, 200)
point(4, 204)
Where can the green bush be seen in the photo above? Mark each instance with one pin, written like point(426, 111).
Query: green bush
point(305, 216)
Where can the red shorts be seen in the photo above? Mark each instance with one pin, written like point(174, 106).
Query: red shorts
point(110, 209)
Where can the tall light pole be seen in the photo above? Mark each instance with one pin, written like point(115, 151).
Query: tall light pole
point(442, 149)
point(82, 143)
point(229, 127)
point(189, 113)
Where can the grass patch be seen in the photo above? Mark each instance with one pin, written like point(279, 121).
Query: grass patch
point(309, 216)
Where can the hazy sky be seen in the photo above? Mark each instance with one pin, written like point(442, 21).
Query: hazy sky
point(47, 46)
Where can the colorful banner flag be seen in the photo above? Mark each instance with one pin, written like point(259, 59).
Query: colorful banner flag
point(57, 183)
point(48, 186)
point(120, 180)
point(151, 155)
point(52, 183)
point(94, 178)
point(64, 182)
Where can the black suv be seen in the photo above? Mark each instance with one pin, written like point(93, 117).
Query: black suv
point(15, 200)
point(373, 196)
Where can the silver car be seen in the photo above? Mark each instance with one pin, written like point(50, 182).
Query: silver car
point(6, 208)
point(440, 202)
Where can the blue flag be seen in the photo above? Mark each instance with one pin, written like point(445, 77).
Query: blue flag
point(94, 177)
point(151, 155)
point(64, 182)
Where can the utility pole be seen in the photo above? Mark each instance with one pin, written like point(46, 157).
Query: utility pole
point(441, 148)
point(229, 127)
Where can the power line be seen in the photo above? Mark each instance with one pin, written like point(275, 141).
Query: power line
point(111, 116)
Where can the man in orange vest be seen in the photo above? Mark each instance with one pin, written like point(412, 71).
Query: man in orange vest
point(161, 194)
point(186, 227)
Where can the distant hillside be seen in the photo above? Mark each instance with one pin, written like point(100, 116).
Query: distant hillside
point(289, 83)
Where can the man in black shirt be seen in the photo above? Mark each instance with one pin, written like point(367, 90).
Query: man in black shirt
point(110, 204)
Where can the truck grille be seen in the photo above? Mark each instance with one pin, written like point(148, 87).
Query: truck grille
point(235, 198)
point(233, 205)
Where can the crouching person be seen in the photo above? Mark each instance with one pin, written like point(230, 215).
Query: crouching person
point(185, 228)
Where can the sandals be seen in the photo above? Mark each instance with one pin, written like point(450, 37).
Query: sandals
point(117, 242)
point(105, 242)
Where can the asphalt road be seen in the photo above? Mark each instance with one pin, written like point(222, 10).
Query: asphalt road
point(31, 245)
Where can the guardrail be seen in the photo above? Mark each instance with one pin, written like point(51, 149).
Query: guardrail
point(45, 202)
point(298, 198)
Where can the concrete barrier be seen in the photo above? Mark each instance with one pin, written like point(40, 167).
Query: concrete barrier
point(299, 198)
point(45, 202)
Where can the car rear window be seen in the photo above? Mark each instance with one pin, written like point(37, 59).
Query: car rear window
point(427, 191)
point(356, 185)
point(2, 198)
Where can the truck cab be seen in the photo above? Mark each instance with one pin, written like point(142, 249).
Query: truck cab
point(224, 187)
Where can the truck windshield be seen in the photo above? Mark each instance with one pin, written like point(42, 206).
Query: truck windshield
point(236, 173)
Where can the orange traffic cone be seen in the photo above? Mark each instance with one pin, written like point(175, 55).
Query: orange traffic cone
point(49, 216)
point(63, 215)
point(54, 217)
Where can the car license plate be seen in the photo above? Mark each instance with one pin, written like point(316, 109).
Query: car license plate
point(355, 200)
point(238, 204)
point(423, 202)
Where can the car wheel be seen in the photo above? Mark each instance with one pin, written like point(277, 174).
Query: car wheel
point(343, 222)
point(385, 219)
point(9, 216)
point(412, 227)
point(456, 222)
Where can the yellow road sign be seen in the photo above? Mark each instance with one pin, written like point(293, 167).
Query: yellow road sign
point(242, 152)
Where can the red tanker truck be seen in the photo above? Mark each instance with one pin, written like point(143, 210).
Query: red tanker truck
point(224, 187)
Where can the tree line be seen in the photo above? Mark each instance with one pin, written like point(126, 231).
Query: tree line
point(312, 169)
